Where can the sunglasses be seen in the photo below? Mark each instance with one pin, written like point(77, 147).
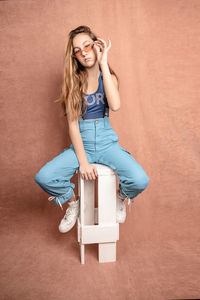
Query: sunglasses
point(86, 48)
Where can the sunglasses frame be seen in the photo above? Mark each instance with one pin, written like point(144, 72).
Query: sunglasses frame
point(92, 45)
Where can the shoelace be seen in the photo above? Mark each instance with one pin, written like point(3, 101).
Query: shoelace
point(126, 199)
point(57, 198)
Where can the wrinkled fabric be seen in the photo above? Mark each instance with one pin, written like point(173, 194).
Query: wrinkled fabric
point(101, 146)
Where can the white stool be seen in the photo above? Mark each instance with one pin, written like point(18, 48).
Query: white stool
point(98, 225)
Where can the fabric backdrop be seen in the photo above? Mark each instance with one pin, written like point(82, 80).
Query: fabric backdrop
point(155, 52)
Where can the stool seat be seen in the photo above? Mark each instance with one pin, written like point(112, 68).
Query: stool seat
point(98, 225)
point(103, 169)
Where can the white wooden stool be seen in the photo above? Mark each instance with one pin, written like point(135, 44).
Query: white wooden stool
point(98, 225)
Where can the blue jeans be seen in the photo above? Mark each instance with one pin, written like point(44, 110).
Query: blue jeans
point(101, 146)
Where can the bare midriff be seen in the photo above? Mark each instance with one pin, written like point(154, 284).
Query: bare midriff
point(92, 119)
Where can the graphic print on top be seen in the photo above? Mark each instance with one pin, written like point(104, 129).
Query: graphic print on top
point(97, 104)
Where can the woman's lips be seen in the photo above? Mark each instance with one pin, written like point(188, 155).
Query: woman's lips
point(87, 59)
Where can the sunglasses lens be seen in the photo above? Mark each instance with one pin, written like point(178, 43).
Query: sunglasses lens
point(87, 48)
point(77, 53)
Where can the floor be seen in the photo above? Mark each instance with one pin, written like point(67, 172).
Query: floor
point(38, 262)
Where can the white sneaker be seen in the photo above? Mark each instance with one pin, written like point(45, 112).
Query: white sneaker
point(120, 208)
point(70, 216)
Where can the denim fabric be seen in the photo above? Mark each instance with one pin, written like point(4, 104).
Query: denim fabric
point(101, 146)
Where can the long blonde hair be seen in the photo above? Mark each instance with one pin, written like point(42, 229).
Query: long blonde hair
point(75, 77)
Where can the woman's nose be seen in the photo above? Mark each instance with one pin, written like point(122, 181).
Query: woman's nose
point(83, 52)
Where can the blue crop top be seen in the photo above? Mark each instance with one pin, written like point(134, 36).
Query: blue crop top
point(97, 104)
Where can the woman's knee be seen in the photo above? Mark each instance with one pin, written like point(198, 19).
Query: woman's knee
point(142, 180)
point(41, 177)
point(139, 180)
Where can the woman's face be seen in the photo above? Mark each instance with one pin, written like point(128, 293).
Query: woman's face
point(81, 41)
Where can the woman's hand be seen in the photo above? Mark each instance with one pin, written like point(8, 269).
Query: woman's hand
point(101, 50)
point(88, 171)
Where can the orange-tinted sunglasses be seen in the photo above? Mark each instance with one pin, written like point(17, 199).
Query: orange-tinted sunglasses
point(86, 48)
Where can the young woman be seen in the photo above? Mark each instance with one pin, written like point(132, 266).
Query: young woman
point(90, 89)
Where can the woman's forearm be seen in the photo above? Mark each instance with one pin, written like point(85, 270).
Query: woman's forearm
point(111, 88)
point(77, 142)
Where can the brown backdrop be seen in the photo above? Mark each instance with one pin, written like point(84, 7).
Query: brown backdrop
point(155, 52)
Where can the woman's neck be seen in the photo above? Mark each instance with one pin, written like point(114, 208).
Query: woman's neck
point(93, 79)
point(93, 72)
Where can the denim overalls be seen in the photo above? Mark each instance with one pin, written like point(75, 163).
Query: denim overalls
point(101, 146)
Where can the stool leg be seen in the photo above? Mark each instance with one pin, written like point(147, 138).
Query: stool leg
point(107, 214)
point(82, 249)
point(78, 230)
point(86, 217)
point(107, 252)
